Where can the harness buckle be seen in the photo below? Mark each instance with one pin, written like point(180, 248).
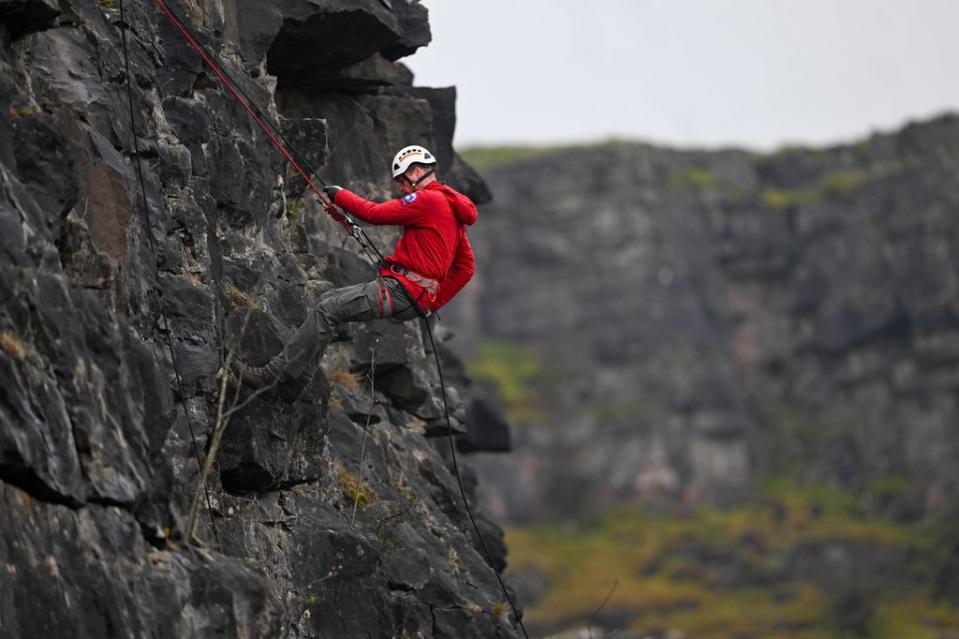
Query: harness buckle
point(426, 283)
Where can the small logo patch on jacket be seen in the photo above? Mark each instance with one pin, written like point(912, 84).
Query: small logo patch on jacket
point(409, 198)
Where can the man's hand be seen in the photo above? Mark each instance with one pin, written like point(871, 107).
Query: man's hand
point(331, 192)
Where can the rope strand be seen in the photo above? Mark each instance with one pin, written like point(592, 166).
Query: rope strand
point(459, 481)
point(366, 429)
point(271, 132)
point(156, 261)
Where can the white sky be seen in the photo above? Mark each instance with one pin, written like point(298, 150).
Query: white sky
point(757, 73)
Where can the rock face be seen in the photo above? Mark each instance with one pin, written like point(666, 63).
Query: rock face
point(332, 516)
point(705, 320)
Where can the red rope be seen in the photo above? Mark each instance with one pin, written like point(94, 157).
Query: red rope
point(256, 118)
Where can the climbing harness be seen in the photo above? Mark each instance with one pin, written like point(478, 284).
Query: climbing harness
point(428, 285)
point(272, 132)
point(159, 290)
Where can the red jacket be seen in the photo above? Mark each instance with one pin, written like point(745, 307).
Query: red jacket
point(434, 242)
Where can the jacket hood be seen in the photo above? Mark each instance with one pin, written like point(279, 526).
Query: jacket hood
point(462, 206)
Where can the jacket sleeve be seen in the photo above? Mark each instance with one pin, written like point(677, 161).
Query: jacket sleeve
point(459, 274)
point(401, 211)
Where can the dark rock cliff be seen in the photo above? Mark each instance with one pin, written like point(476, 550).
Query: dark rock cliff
point(703, 320)
point(330, 517)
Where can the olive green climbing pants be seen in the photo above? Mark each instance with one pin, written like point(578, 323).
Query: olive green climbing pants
point(383, 297)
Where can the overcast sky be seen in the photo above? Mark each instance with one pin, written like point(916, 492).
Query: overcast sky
point(757, 73)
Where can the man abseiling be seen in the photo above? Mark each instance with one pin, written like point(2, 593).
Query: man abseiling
point(432, 261)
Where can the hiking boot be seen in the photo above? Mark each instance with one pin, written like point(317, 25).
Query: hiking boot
point(255, 377)
point(259, 377)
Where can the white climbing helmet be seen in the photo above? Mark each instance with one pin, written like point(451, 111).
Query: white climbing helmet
point(410, 155)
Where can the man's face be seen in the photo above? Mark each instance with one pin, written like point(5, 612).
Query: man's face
point(405, 182)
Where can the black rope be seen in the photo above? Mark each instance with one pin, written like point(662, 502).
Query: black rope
point(364, 240)
point(459, 481)
point(159, 289)
point(366, 429)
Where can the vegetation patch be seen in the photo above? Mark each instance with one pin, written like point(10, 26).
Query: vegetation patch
point(500, 610)
point(347, 379)
point(12, 346)
point(406, 491)
point(453, 559)
point(238, 298)
point(758, 570)
point(693, 179)
point(354, 489)
point(516, 372)
point(832, 184)
point(781, 199)
point(25, 111)
point(294, 206)
point(890, 485)
point(485, 158)
point(843, 181)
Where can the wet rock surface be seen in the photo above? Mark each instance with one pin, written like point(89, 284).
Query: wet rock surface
point(332, 516)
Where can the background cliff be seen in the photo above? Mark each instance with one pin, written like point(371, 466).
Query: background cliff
point(334, 516)
point(777, 334)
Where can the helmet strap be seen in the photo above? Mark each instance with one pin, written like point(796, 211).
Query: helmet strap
point(422, 177)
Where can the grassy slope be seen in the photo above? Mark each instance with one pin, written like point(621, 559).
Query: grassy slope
point(516, 374)
point(484, 158)
point(741, 572)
